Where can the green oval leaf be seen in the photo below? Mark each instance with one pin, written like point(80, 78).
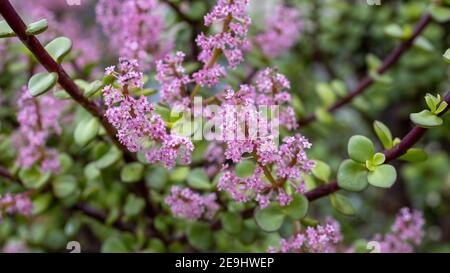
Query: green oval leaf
point(108, 159)
point(322, 171)
point(86, 131)
point(383, 176)
point(342, 204)
point(33, 178)
point(199, 180)
point(41, 83)
point(383, 133)
point(232, 222)
point(59, 48)
point(447, 56)
point(132, 173)
point(426, 119)
point(5, 30)
point(93, 88)
point(245, 168)
point(37, 27)
point(360, 148)
point(271, 218)
point(352, 176)
point(414, 155)
point(298, 208)
point(199, 235)
point(133, 206)
point(64, 186)
point(440, 13)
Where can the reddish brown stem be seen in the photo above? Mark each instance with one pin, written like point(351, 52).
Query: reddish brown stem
point(387, 63)
point(407, 142)
point(32, 43)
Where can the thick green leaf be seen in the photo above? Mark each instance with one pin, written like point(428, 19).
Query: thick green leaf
point(200, 235)
point(342, 204)
point(132, 172)
point(383, 133)
point(271, 218)
point(198, 179)
point(447, 56)
point(41, 83)
point(352, 176)
point(86, 131)
point(322, 171)
point(440, 13)
point(414, 155)
point(426, 119)
point(114, 244)
point(423, 43)
point(383, 176)
point(5, 30)
point(64, 186)
point(41, 203)
point(133, 206)
point(232, 222)
point(326, 94)
point(245, 168)
point(33, 178)
point(59, 48)
point(396, 31)
point(61, 94)
point(360, 148)
point(298, 208)
point(37, 27)
point(108, 159)
point(93, 88)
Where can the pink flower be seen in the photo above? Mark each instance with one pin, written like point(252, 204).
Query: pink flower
point(319, 239)
point(184, 203)
point(406, 232)
point(173, 79)
point(139, 128)
point(282, 30)
point(38, 118)
point(231, 41)
point(135, 28)
point(15, 204)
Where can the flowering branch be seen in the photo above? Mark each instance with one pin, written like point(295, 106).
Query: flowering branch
point(407, 142)
point(387, 64)
point(32, 43)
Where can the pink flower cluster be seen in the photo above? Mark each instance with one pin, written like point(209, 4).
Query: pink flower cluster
point(15, 204)
point(184, 203)
point(406, 232)
point(249, 132)
point(173, 79)
point(231, 41)
point(135, 28)
point(282, 30)
point(139, 128)
point(273, 89)
point(319, 239)
point(38, 118)
point(86, 46)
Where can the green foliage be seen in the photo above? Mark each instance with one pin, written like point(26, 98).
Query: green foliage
point(198, 179)
point(37, 27)
point(342, 204)
point(360, 148)
point(41, 83)
point(59, 48)
point(430, 118)
point(132, 172)
point(5, 30)
point(384, 134)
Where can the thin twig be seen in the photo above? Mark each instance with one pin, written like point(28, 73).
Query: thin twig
point(407, 142)
point(387, 63)
point(32, 43)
